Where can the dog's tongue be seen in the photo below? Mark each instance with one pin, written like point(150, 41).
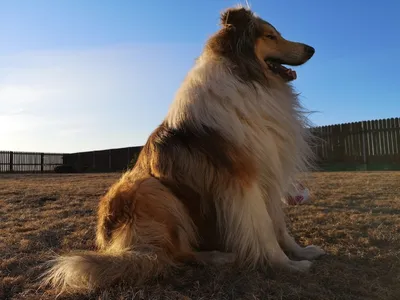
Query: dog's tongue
point(287, 73)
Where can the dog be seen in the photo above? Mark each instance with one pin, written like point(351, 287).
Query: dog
point(208, 183)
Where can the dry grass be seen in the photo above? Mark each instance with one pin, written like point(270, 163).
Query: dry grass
point(354, 216)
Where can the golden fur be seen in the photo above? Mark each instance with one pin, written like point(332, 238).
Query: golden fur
point(211, 176)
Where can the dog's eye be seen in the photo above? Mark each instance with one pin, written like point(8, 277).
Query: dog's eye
point(271, 37)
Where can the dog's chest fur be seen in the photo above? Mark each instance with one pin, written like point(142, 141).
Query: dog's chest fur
point(263, 122)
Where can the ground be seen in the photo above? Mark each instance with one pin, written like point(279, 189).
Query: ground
point(355, 217)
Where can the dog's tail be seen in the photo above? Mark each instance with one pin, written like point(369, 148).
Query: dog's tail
point(88, 271)
point(142, 231)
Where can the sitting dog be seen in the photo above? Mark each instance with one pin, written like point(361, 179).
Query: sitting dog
point(211, 176)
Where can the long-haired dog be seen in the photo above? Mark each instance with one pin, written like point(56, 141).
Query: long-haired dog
point(211, 176)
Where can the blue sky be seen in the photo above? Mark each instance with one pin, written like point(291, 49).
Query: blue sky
point(83, 75)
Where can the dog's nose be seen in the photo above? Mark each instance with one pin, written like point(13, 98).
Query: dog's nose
point(309, 50)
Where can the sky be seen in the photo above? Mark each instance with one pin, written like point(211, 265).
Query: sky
point(88, 75)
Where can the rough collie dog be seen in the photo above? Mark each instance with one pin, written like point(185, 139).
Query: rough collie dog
point(208, 183)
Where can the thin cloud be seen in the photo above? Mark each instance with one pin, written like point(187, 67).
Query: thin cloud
point(64, 101)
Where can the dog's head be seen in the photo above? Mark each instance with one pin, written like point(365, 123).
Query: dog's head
point(256, 47)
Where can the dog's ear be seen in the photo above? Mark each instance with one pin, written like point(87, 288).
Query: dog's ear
point(237, 17)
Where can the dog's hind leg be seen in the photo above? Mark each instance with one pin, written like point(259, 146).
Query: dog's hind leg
point(285, 239)
point(249, 231)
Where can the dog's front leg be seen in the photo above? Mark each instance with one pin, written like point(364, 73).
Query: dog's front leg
point(287, 242)
point(249, 230)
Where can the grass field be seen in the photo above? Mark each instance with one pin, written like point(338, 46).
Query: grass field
point(355, 217)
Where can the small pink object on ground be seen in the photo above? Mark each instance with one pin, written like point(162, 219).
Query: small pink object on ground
point(301, 195)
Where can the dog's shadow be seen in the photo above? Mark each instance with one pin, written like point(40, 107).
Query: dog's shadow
point(331, 277)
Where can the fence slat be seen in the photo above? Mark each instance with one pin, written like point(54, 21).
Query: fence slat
point(397, 139)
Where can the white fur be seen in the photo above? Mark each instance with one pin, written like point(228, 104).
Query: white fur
point(276, 138)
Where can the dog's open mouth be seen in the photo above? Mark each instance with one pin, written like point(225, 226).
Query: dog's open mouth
point(286, 73)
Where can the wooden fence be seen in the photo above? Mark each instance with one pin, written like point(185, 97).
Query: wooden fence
point(364, 145)
point(111, 160)
point(367, 145)
point(11, 161)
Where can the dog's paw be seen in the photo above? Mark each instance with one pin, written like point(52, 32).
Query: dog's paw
point(310, 252)
point(299, 266)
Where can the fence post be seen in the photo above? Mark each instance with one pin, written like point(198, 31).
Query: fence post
point(364, 143)
point(41, 162)
point(11, 161)
point(109, 160)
